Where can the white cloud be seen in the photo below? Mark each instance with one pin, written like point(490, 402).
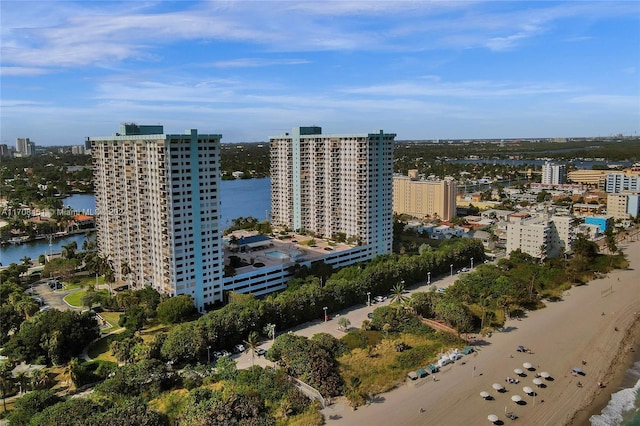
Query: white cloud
point(620, 101)
point(23, 71)
point(432, 86)
point(73, 34)
point(256, 62)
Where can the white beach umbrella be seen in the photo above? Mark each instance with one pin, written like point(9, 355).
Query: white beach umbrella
point(497, 386)
point(518, 371)
point(545, 375)
point(537, 382)
point(484, 394)
point(492, 418)
point(527, 365)
point(516, 398)
point(527, 390)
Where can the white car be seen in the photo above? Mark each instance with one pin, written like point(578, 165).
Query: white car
point(380, 298)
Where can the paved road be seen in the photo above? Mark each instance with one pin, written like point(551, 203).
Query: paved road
point(53, 298)
point(355, 314)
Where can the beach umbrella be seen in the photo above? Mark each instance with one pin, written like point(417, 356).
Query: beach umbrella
point(484, 394)
point(545, 375)
point(492, 418)
point(516, 398)
point(497, 386)
point(537, 382)
point(527, 365)
point(518, 371)
point(527, 390)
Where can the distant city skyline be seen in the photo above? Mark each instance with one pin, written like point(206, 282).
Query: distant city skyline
point(250, 70)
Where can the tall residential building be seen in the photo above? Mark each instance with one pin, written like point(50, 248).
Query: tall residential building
point(158, 210)
point(540, 236)
point(334, 185)
point(77, 149)
point(424, 198)
point(622, 182)
point(25, 147)
point(553, 174)
point(623, 205)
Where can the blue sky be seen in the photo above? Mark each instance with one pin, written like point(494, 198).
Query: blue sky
point(253, 69)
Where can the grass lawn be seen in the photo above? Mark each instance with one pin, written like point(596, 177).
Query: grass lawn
point(100, 348)
point(75, 299)
point(85, 281)
point(112, 318)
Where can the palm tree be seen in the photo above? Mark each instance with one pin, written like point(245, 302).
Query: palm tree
point(543, 252)
point(344, 323)
point(125, 270)
point(6, 381)
point(270, 331)
point(26, 261)
point(252, 342)
point(69, 250)
point(354, 393)
point(39, 378)
point(23, 378)
point(71, 372)
point(397, 294)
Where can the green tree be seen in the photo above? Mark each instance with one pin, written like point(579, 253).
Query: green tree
point(184, 343)
point(226, 368)
point(53, 335)
point(344, 323)
point(175, 309)
point(31, 404)
point(6, 381)
point(91, 297)
point(133, 318)
point(397, 295)
point(252, 343)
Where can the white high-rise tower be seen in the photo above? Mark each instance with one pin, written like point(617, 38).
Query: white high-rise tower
point(158, 210)
point(335, 185)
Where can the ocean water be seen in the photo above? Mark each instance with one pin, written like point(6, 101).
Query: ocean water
point(624, 406)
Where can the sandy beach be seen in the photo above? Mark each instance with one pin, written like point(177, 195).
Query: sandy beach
point(580, 327)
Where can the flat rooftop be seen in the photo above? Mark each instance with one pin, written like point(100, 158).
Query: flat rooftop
point(261, 251)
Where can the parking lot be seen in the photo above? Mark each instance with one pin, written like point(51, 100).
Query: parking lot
point(50, 296)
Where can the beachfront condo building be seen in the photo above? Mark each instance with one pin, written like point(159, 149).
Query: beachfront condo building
point(336, 186)
point(158, 210)
point(540, 236)
point(424, 198)
point(553, 174)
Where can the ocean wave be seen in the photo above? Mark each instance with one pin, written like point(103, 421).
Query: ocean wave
point(621, 402)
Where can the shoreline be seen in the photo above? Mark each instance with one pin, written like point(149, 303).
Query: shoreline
point(615, 376)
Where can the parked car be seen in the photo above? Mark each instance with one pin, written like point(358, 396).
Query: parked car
point(380, 298)
point(239, 348)
point(261, 352)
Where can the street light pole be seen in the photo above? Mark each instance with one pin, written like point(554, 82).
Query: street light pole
point(208, 355)
point(368, 298)
point(325, 314)
point(451, 266)
point(429, 278)
point(472, 263)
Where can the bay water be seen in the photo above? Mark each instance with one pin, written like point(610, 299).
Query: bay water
point(238, 198)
